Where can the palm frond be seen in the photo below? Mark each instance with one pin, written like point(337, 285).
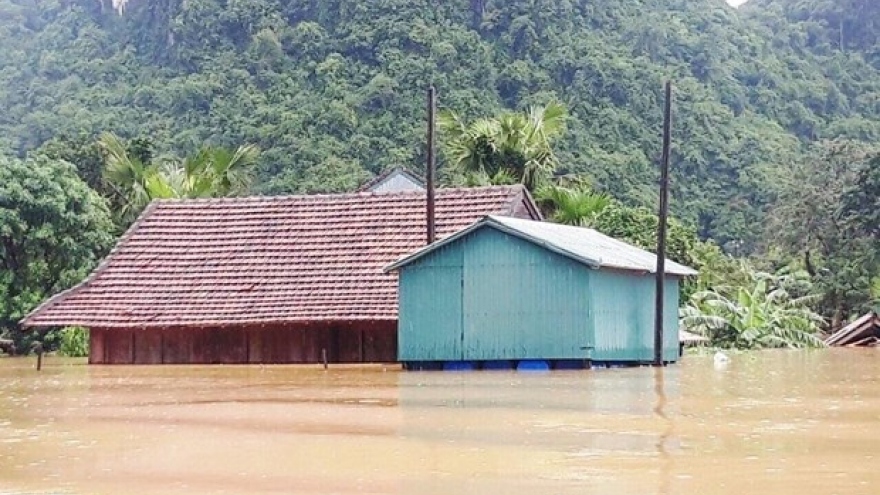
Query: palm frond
point(120, 169)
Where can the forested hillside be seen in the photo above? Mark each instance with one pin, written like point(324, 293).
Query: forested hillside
point(823, 27)
point(332, 91)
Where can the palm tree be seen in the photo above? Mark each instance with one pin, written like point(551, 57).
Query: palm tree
point(211, 172)
point(218, 172)
point(127, 176)
point(517, 143)
point(572, 206)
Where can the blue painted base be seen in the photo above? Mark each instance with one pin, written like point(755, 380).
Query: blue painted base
point(422, 365)
point(498, 365)
point(533, 365)
point(523, 365)
point(459, 366)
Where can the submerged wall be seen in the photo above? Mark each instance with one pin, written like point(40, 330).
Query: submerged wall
point(623, 316)
point(343, 342)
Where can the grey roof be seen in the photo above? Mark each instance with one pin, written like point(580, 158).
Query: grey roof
point(584, 245)
point(394, 180)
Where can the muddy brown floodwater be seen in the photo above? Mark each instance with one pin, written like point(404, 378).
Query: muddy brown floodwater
point(771, 423)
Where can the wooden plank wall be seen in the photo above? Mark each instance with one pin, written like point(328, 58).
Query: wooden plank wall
point(343, 342)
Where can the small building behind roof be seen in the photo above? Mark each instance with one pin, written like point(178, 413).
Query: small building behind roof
point(514, 290)
point(394, 180)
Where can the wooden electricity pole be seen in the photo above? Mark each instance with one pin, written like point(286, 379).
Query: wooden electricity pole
point(429, 172)
point(661, 229)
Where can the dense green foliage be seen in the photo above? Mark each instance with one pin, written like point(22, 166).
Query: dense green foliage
point(133, 181)
point(53, 230)
point(819, 221)
point(513, 145)
point(638, 226)
point(333, 91)
point(860, 202)
point(767, 311)
point(824, 27)
point(73, 342)
point(577, 205)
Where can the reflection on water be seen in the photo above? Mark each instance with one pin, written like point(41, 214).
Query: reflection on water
point(776, 422)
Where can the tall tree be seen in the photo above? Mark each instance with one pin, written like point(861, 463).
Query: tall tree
point(327, 88)
point(860, 202)
point(807, 222)
point(53, 230)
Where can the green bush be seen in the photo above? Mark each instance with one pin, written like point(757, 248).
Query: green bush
point(74, 342)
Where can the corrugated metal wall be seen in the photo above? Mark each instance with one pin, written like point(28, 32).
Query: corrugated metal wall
point(623, 308)
point(493, 296)
point(522, 301)
point(429, 324)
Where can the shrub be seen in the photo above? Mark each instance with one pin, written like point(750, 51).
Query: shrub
point(74, 342)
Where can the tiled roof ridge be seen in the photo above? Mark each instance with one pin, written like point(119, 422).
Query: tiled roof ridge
point(325, 196)
point(97, 271)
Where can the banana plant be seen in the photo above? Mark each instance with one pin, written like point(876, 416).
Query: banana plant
point(766, 313)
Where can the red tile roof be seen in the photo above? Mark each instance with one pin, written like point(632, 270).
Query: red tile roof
point(266, 259)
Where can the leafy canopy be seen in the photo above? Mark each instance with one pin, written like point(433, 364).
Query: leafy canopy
point(53, 231)
point(334, 90)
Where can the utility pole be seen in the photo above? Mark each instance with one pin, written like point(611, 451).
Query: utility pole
point(429, 173)
point(661, 229)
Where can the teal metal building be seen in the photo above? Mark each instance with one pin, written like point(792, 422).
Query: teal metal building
point(508, 291)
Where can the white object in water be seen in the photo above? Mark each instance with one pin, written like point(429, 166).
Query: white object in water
point(721, 358)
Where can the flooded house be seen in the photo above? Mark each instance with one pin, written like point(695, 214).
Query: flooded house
point(291, 279)
point(862, 332)
point(507, 292)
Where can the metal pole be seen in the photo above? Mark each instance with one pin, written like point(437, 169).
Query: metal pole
point(429, 172)
point(661, 230)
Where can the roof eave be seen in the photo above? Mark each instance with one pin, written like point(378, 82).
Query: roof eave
point(57, 298)
point(151, 325)
point(433, 247)
point(530, 203)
